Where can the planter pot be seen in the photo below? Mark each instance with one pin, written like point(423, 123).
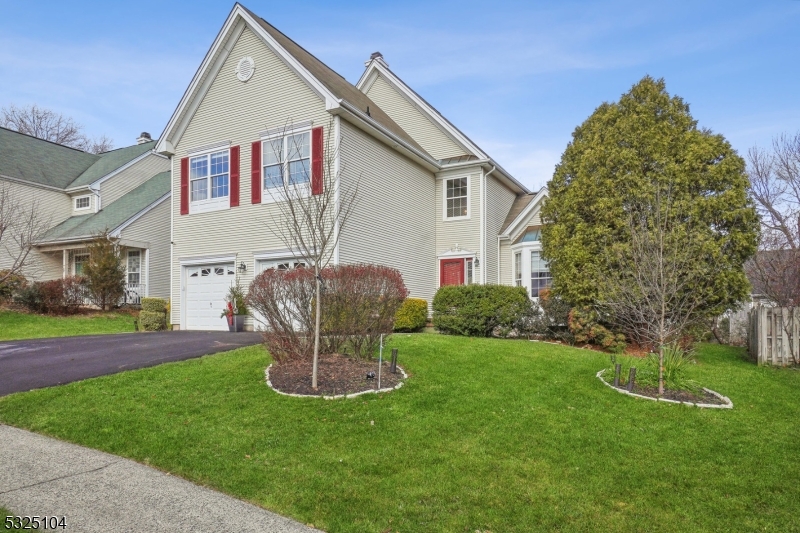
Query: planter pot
point(236, 323)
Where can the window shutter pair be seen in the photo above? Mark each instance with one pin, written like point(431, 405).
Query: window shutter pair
point(317, 148)
point(234, 181)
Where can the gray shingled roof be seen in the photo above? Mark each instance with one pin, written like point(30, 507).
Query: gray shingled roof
point(110, 161)
point(336, 84)
point(38, 161)
point(113, 215)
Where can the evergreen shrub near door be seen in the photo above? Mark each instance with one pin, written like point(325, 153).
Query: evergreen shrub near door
point(412, 315)
point(480, 310)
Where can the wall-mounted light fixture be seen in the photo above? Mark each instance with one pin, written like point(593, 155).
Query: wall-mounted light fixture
point(476, 263)
point(242, 267)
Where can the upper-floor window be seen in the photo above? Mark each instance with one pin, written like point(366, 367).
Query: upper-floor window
point(286, 160)
point(456, 198)
point(540, 274)
point(83, 202)
point(209, 177)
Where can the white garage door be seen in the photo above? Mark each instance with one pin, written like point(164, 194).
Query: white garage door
point(206, 288)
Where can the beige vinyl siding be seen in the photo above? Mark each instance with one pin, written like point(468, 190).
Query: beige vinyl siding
point(114, 187)
point(55, 207)
point(393, 223)
point(153, 228)
point(412, 120)
point(498, 202)
point(238, 112)
point(466, 233)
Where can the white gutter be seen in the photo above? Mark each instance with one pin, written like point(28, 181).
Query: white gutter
point(485, 175)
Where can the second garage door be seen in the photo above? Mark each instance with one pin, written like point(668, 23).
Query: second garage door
point(206, 288)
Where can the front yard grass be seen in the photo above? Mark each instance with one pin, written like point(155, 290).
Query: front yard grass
point(16, 326)
point(486, 435)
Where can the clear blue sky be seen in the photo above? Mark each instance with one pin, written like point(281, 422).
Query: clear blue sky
point(517, 77)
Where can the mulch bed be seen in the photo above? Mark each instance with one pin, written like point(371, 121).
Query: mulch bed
point(677, 395)
point(336, 374)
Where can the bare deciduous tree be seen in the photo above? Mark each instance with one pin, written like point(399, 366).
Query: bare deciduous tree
point(657, 288)
point(312, 203)
point(52, 126)
point(21, 225)
point(775, 188)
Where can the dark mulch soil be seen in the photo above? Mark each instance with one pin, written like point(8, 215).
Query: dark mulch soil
point(678, 395)
point(336, 374)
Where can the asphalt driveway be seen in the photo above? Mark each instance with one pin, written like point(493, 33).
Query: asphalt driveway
point(37, 363)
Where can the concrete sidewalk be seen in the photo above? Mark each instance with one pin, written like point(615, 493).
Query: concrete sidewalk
point(99, 492)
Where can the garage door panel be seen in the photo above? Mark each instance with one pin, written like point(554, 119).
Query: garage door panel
point(206, 288)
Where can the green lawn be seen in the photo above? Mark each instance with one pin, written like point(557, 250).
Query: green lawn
point(487, 435)
point(15, 326)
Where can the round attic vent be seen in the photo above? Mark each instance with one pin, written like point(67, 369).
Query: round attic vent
point(245, 68)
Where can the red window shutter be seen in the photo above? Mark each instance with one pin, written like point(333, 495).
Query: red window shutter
point(316, 160)
point(185, 186)
point(234, 176)
point(255, 173)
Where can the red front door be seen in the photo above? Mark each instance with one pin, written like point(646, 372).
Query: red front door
point(451, 272)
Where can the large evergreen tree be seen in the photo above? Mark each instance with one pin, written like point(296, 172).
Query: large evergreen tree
point(620, 159)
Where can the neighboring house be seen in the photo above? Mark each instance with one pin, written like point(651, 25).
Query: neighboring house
point(124, 191)
point(430, 201)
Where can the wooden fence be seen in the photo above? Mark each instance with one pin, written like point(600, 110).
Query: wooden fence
point(773, 335)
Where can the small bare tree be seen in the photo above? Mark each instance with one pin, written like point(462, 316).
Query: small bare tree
point(21, 225)
point(312, 203)
point(656, 288)
point(775, 188)
point(52, 126)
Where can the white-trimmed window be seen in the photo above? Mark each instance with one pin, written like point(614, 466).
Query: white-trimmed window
point(209, 179)
point(83, 202)
point(456, 198)
point(469, 273)
point(134, 267)
point(518, 269)
point(78, 261)
point(286, 160)
point(540, 274)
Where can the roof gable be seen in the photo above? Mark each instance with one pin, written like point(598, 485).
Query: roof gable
point(332, 88)
point(524, 209)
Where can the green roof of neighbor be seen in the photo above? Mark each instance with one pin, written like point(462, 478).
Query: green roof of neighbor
point(113, 215)
point(110, 161)
point(38, 161)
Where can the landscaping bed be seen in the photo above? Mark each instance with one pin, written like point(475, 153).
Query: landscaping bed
point(489, 435)
point(336, 375)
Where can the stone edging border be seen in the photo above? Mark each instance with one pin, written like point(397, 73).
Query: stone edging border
point(338, 396)
point(727, 405)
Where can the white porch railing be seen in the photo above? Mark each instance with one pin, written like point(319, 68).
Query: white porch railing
point(134, 292)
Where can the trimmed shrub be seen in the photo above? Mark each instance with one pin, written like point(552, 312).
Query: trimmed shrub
point(74, 293)
point(154, 305)
point(358, 305)
point(152, 321)
point(584, 323)
point(11, 284)
point(30, 297)
point(412, 315)
point(480, 310)
point(550, 318)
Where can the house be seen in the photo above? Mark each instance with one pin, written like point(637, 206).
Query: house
point(431, 203)
point(124, 191)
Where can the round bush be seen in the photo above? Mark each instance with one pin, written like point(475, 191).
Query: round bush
point(480, 310)
point(154, 305)
point(412, 315)
point(150, 321)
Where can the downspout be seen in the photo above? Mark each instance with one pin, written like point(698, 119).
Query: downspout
point(483, 226)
